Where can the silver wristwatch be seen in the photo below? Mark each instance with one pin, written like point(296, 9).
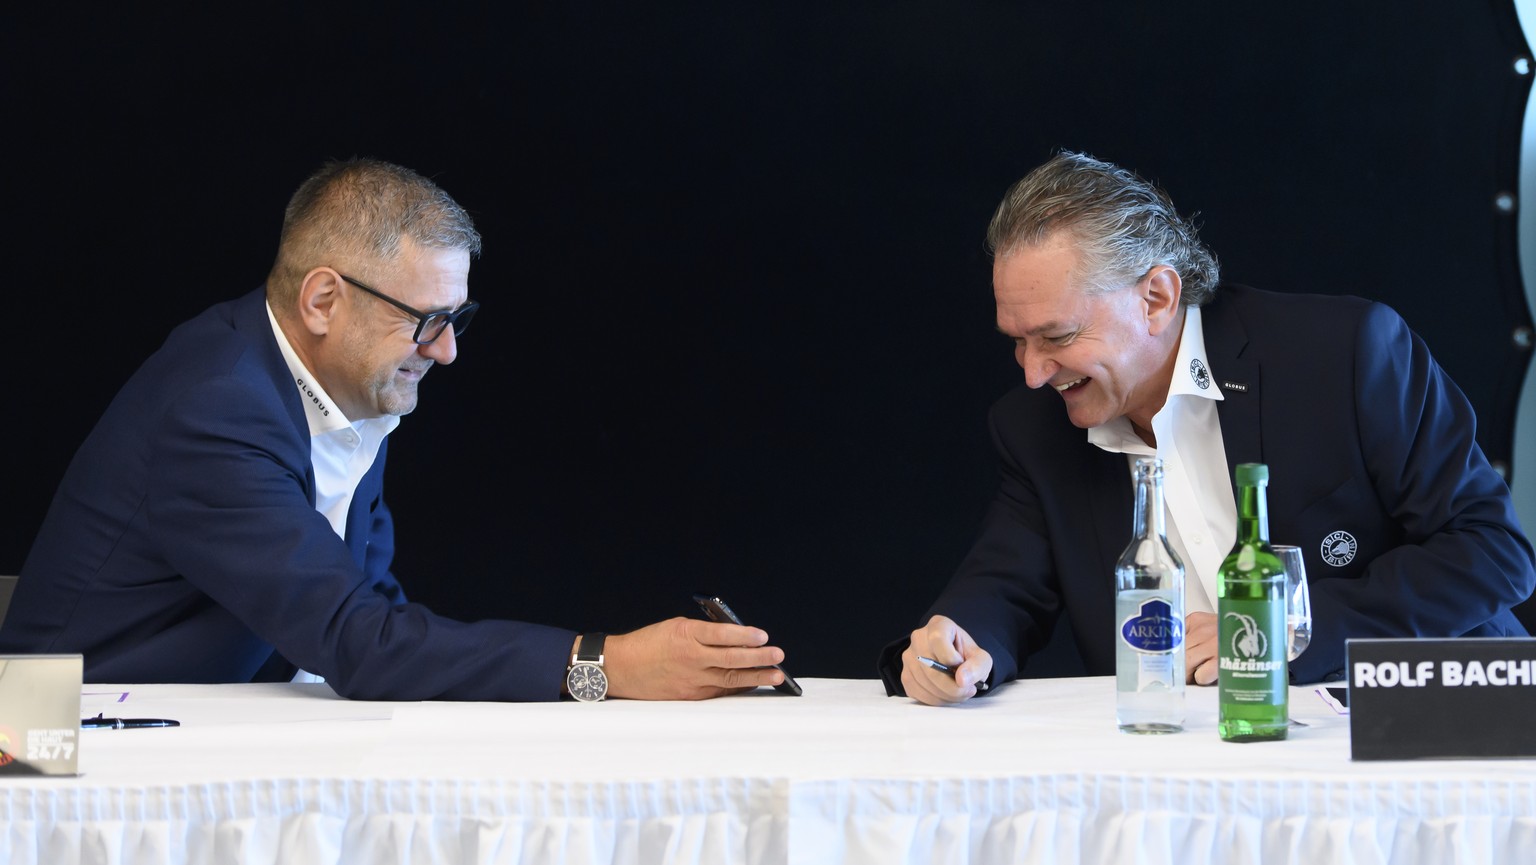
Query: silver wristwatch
point(585, 678)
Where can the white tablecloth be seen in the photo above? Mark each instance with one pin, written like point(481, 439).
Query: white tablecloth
point(1037, 772)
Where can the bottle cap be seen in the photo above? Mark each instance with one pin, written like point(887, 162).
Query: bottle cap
point(1251, 474)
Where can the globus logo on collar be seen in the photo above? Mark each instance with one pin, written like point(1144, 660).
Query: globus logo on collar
point(310, 392)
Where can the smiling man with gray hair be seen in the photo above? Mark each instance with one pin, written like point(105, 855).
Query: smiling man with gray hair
point(1129, 348)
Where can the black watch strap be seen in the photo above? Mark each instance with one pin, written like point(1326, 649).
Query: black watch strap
point(590, 649)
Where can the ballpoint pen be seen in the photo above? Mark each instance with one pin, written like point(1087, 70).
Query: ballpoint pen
point(126, 723)
point(945, 668)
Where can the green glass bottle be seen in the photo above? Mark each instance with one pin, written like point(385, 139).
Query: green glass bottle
point(1253, 680)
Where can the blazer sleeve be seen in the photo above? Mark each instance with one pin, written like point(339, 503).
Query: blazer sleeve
point(1005, 593)
point(1462, 561)
point(227, 501)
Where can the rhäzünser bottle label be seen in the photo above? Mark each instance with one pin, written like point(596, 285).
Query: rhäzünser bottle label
point(1251, 657)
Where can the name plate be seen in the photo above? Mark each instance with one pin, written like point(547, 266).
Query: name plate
point(40, 714)
point(1412, 699)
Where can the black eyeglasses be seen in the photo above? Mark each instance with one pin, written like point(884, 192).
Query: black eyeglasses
point(429, 325)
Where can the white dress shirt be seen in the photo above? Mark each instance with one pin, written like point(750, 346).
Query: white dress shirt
point(340, 450)
point(1202, 522)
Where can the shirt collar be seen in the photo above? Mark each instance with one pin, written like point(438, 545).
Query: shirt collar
point(1191, 377)
point(1192, 370)
point(321, 412)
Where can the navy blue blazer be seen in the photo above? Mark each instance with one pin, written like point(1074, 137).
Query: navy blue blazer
point(1374, 472)
point(183, 545)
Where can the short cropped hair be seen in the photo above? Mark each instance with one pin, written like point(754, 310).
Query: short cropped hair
point(363, 207)
point(1123, 225)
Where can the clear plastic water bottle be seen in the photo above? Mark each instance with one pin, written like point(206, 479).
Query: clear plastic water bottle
point(1149, 616)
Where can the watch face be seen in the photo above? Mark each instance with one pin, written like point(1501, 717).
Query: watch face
point(587, 682)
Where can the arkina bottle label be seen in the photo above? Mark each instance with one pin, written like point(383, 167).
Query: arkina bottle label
point(1154, 628)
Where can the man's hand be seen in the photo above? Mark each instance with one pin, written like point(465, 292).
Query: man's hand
point(948, 643)
point(1200, 638)
point(689, 659)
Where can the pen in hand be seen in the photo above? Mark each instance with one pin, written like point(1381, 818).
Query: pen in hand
point(126, 723)
point(945, 668)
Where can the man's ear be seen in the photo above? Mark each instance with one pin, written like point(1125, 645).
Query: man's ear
point(1161, 289)
point(319, 300)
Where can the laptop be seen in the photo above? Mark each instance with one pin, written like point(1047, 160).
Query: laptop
point(40, 714)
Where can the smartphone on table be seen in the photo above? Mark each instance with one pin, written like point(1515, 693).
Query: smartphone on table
point(719, 611)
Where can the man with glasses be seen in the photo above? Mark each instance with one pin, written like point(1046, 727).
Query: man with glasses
point(225, 520)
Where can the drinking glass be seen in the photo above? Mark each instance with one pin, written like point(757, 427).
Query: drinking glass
point(1298, 602)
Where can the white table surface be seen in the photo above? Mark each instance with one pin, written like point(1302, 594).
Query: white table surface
point(1036, 772)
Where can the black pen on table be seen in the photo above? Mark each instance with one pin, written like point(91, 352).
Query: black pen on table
point(945, 668)
point(126, 723)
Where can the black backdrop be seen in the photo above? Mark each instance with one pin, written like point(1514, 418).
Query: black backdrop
point(737, 330)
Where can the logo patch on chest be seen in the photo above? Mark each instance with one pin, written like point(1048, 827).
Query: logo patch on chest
point(1339, 549)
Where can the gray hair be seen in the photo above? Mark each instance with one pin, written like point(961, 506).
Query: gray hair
point(1124, 226)
point(363, 207)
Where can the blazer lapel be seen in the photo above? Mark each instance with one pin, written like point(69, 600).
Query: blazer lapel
point(1109, 483)
point(251, 321)
point(364, 501)
point(358, 517)
point(1240, 377)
